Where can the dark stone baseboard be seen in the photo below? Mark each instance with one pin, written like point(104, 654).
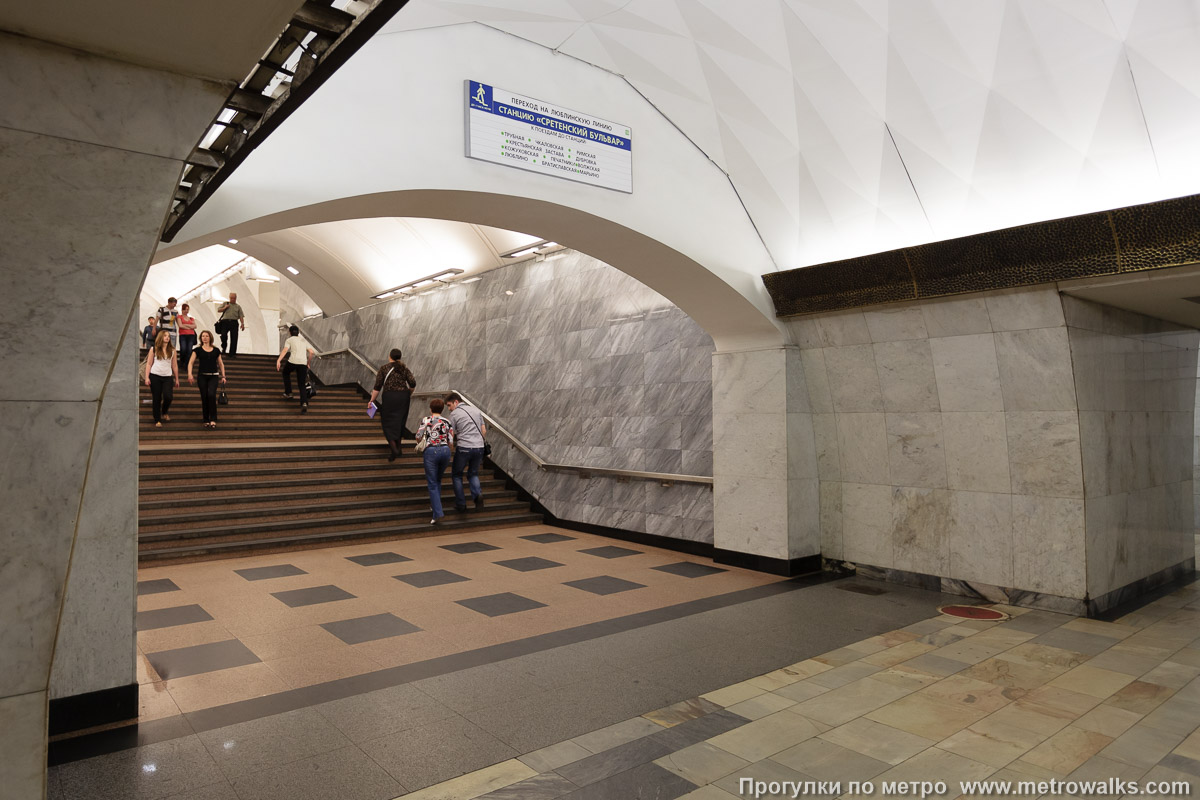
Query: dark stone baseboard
point(1133, 596)
point(773, 566)
point(103, 707)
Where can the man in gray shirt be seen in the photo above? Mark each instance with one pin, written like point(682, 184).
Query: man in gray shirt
point(227, 324)
point(469, 430)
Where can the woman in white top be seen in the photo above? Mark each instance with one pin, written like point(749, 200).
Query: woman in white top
point(299, 357)
point(162, 376)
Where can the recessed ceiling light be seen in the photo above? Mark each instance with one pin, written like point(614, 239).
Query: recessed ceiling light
point(509, 292)
point(233, 241)
point(293, 270)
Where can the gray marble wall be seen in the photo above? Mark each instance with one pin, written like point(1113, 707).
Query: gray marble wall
point(1135, 378)
point(581, 362)
point(1013, 439)
point(90, 152)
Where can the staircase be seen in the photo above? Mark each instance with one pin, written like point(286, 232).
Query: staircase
point(270, 479)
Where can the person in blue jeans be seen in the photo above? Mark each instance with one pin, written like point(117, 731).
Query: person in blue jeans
point(438, 434)
point(469, 430)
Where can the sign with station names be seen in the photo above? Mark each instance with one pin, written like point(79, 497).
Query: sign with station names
point(517, 131)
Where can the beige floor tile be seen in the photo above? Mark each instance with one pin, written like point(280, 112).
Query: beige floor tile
point(879, 741)
point(676, 713)
point(1100, 683)
point(1004, 636)
point(836, 658)
point(808, 668)
point(1175, 715)
point(1012, 674)
point(898, 654)
point(938, 765)
point(1171, 674)
point(804, 690)
point(991, 742)
point(774, 680)
point(827, 761)
point(761, 706)
point(1039, 719)
point(1188, 656)
point(963, 690)
point(970, 651)
point(869, 646)
point(1109, 720)
point(1066, 750)
point(894, 638)
point(179, 636)
point(1119, 659)
point(847, 673)
point(926, 716)
point(765, 737)
point(843, 704)
point(309, 639)
point(410, 648)
point(905, 677)
point(474, 784)
point(155, 702)
point(224, 686)
point(1140, 697)
point(297, 671)
point(731, 695)
point(709, 793)
point(1190, 747)
point(145, 671)
point(1142, 746)
point(1113, 630)
point(1044, 655)
point(702, 763)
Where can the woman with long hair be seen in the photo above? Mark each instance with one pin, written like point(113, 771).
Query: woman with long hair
point(187, 333)
point(162, 376)
point(212, 373)
point(438, 435)
point(393, 390)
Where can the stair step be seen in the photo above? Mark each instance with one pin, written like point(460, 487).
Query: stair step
point(178, 505)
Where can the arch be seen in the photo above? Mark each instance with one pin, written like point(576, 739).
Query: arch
point(723, 311)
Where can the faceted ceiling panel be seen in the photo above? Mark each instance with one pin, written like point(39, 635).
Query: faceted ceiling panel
point(855, 126)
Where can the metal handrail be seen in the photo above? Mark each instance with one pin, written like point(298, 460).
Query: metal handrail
point(666, 478)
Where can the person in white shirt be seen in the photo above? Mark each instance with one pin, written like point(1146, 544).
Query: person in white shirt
point(162, 376)
point(299, 356)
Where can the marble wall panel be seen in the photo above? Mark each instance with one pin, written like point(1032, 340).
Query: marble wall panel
point(976, 446)
point(921, 524)
point(842, 329)
point(581, 362)
point(1035, 370)
point(853, 378)
point(981, 537)
point(906, 376)
point(23, 742)
point(1044, 453)
point(1026, 308)
point(831, 519)
point(956, 317)
point(916, 456)
point(867, 523)
point(895, 324)
point(968, 376)
point(825, 434)
point(863, 447)
point(816, 377)
point(1049, 545)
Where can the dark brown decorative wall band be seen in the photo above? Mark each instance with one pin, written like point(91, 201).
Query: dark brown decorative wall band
point(1152, 236)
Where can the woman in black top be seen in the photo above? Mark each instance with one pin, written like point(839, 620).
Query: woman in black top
point(212, 372)
point(396, 383)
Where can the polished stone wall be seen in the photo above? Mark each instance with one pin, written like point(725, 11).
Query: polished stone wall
point(578, 360)
point(1135, 379)
point(90, 153)
point(982, 440)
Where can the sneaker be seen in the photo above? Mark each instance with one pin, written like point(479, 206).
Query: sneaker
point(288, 397)
point(479, 502)
point(436, 521)
point(304, 408)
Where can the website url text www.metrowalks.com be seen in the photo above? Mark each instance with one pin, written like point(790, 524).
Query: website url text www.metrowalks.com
point(1111, 787)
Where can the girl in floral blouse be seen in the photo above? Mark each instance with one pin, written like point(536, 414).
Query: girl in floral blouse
point(438, 434)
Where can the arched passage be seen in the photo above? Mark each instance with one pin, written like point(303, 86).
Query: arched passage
point(722, 310)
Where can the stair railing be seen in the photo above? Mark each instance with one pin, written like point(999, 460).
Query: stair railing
point(664, 478)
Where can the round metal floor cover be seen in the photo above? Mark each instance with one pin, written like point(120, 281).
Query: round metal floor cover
point(973, 612)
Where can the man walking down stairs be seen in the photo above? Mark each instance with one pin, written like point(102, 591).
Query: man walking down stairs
point(267, 480)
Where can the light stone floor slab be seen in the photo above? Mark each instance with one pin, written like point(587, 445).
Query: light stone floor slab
point(896, 708)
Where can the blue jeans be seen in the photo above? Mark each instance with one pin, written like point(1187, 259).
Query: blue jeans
point(464, 456)
point(436, 461)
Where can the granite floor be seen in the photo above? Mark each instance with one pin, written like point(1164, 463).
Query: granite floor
point(1037, 698)
point(328, 674)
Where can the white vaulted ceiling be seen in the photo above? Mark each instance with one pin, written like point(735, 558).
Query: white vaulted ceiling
point(855, 126)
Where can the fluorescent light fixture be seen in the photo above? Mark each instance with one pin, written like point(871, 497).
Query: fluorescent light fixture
point(523, 252)
point(233, 241)
point(472, 279)
point(266, 279)
point(293, 270)
point(508, 292)
point(405, 289)
point(548, 245)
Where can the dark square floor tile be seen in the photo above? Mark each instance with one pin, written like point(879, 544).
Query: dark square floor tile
point(368, 629)
point(274, 571)
point(435, 577)
point(496, 605)
point(469, 547)
point(157, 586)
point(643, 782)
point(549, 538)
point(528, 564)
point(375, 559)
point(689, 569)
point(312, 596)
point(170, 617)
point(611, 551)
point(201, 658)
point(604, 584)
